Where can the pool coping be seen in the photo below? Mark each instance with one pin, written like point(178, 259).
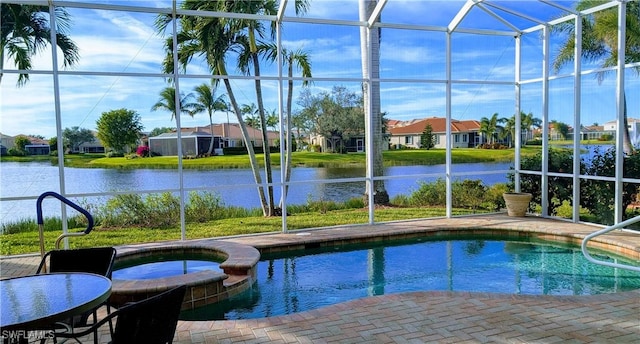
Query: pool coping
point(203, 287)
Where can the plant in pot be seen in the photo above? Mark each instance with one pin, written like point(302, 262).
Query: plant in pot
point(517, 203)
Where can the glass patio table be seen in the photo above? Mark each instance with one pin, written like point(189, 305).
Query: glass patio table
point(38, 301)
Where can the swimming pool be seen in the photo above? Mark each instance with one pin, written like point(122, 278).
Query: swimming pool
point(299, 281)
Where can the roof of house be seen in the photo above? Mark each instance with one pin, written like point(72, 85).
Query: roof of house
point(438, 125)
point(184, 132)
point(629, 120)
point(594, 128)
point(228, 130)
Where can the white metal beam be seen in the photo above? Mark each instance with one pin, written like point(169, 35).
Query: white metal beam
point(518, 109)
point(558, 6)
point(376, 13)
point(283, 6)
point(499, 18)
point(516, 13)
point(461, 14)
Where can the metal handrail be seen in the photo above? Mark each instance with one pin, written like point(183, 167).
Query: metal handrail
point(63, 235)
point(603, 231)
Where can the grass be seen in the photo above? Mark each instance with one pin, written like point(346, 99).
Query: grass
point(28, 242)
point(308, 159)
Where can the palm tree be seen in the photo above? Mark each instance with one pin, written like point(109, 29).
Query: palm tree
point(490, 126)
point(560, 128)
point(291, 59)
point(370, 39)
point(251, 117)
point(529, 123)
point(26, 31)
point(250, 58)
point(214, 39)
point(600, 44)
point(206, 100)
point(272, 119)
point(167, 102)
point(509, 130)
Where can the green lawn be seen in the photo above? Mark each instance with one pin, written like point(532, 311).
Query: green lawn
point(310, 159)
point(28, 242)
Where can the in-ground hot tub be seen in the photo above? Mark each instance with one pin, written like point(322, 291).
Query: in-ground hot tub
point(212, 271)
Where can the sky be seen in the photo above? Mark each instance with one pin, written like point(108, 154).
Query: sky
point(127, 42)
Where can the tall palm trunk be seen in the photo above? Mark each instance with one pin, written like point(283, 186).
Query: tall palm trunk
point(247, 139)
point(289, 145)
point(626, 138)
point(210, 129)
point(263, 125)
point(366, 7)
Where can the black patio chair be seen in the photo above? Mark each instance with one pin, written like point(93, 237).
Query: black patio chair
point(150, 321)
point(96, 260)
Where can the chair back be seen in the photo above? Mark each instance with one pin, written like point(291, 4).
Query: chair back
point(96, 260)
point(150, 321)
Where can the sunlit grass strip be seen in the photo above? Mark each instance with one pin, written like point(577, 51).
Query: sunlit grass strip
point(312, 159)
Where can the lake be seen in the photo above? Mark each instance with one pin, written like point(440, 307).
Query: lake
point(235, 186)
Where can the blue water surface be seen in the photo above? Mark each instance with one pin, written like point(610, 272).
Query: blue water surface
point(307, 280)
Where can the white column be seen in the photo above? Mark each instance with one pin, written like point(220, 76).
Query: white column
point(577, 95)
point(545, 121)
point(622, 20)
point(56, 99)
point(447, 135)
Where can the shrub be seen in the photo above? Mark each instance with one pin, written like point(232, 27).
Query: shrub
point(534, 142)
point(123, 210)
point(401, 200)
point(113, 154)
point(165, 210)
point(494, 145)
point(598, 196)
point(468, 193)
point(429, 194)
point(322, 206)
point(203, 207)
point(142, 151)
point(606, 137)
point(565, 210)
point(354, 203)
point(16, 152)
point(560, 160)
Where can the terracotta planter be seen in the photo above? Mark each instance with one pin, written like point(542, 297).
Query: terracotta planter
point(517, 203)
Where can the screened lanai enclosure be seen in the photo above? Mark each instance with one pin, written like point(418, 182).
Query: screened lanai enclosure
point(553, 85)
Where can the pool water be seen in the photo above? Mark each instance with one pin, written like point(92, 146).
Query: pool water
point(166, 268)
point(301, 281)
